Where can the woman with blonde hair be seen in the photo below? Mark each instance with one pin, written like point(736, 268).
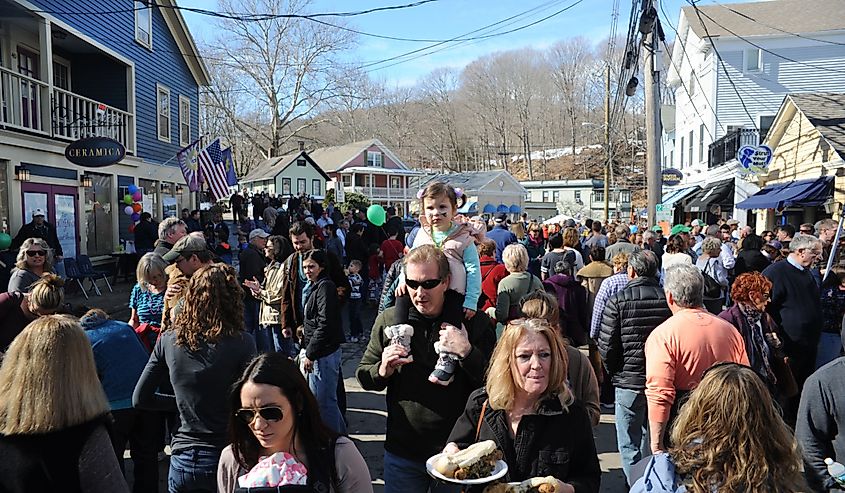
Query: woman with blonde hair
point(202, 357)
point(582, 378)
point(527, 408)
point(53, 414)
point(35, 258)
point(729, 436)
point(18, 309)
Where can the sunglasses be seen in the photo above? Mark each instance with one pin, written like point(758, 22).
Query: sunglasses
point(35, 253)
point(427, 284)
point(269, 413)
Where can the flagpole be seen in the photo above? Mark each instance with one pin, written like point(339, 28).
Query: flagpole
point(835, 245)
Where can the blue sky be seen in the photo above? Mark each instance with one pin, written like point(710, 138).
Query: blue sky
point(447, 19)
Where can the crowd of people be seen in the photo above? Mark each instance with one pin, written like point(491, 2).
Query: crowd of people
point(717, 350)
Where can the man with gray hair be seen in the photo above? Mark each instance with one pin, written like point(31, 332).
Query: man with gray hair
point(171, 230)
point(681, 349)
point(622, 244)
point(795, 304)
point(826, 231)
point(629, 317)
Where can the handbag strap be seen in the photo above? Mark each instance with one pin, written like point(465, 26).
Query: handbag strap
point(480, 420)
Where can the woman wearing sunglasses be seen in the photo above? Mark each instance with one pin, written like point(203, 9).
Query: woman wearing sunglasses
point(35, 258)
point(729, 436)
point(274, 411)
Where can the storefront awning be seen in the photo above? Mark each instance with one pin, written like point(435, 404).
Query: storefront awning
point(719, 193)
point(489, 209)
point(800, 193)
point(515, 209)
point(677, 195)
point(469, 208)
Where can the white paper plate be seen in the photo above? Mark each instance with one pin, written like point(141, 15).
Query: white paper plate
point(499, 471)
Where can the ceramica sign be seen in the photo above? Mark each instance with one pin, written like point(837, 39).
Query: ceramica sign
point(95, 152)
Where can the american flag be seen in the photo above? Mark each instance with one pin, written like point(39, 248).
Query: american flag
point(213, 171)
point(187, 158)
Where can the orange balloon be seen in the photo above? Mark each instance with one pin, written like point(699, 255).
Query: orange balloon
point(137, 207)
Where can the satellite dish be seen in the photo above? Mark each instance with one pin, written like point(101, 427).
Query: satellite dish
point(715, 209)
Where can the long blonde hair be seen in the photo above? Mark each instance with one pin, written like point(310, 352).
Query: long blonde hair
point(501, 374)
point(731, 435)
point(48, 380)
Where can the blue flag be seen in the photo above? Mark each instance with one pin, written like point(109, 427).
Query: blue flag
point(229, 166)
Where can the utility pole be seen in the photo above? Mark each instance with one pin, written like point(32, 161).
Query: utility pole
point(607, 145)
point(654, 178)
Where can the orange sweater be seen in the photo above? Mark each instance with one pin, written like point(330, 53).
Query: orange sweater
point(678, 352)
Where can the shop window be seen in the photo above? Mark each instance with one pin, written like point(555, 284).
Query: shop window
point(98, 213)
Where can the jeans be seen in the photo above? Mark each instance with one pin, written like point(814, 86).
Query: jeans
point(407, 476)
point(632, 438)
point(251, 312)
point(284, 345)
point(264, 339)
point(355, 327)
point(193, 470)
point(830, 347)
point(143, 431)
point(323, 382)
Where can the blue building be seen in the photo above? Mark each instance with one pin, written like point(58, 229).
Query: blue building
point(71, 69)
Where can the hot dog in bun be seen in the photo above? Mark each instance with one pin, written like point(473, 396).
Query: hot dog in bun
point(476, 461)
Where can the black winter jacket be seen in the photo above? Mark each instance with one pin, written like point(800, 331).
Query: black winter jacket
point(750, 261)
point(323, 328)
point(629, 318)
point(552, 442)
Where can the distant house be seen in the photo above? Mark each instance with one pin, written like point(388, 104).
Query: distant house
point(804, 182)
point(486, 191)
point(732, 65)
point(369, 167)
point(292, 174)
point(574, 197)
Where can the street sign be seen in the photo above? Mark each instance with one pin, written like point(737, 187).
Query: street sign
point(95, 152)
point(672, 177)
point(663, 213)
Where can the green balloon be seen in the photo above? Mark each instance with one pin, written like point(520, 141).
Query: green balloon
point(127, 199)
point(376, 215)
point(5, 241)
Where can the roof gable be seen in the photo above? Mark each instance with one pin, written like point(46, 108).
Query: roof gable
point(769, 18)
point(825, 111)
point(269, 169)
point(334, 158)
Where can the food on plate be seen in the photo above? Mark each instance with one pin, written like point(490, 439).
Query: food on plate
point(476, 461)
point(548, 484)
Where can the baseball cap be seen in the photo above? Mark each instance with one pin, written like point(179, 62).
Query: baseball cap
point(258, 233)
point(698, 222)
point(679, 228)
point(38, 212)
point(657, 228)
point(732, 222)
point(501, 217)
point(185, 247)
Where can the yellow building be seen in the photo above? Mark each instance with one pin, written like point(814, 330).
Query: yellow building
point(805, 181)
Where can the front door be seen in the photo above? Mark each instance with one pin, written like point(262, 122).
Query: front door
point(60, 205)
point(30, 91)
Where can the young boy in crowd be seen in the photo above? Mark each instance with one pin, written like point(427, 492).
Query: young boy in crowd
point(356, 283)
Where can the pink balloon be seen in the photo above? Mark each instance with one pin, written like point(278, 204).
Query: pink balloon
point(128, 210)
point(137, 196)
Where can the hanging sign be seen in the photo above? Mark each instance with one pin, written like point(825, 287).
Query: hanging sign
point(672, 176)
point(95, 152)
point(754, 160)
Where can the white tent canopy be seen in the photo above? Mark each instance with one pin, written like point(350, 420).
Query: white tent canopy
point(559, 219)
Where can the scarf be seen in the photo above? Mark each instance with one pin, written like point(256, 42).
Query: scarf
point(760, 352)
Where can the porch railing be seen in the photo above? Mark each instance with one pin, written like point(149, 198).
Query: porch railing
point(381, 192)
point(23, 103)
point(725, 149)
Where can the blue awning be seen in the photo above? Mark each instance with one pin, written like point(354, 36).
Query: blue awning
point(800, 193)
point(503, 208)
point(469, 208)
point(677, 195)
point(489, 209)
point(515, 209)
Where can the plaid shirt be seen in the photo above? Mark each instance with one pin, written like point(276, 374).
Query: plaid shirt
point(609, 287)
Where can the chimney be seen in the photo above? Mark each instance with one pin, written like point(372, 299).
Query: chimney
point(301, 145)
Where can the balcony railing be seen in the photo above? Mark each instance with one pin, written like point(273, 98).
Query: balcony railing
point(381, 192)
point(22, 106)
point(725, 149)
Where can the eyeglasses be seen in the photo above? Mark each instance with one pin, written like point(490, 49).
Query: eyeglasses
point(35, 253)
point(427, 284)
point(269, 413)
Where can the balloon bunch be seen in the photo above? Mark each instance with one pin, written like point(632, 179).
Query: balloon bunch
point(133, 200)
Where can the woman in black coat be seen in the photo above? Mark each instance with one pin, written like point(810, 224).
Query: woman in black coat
point(322, 337)
point(527, 408)
point(751, 258)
